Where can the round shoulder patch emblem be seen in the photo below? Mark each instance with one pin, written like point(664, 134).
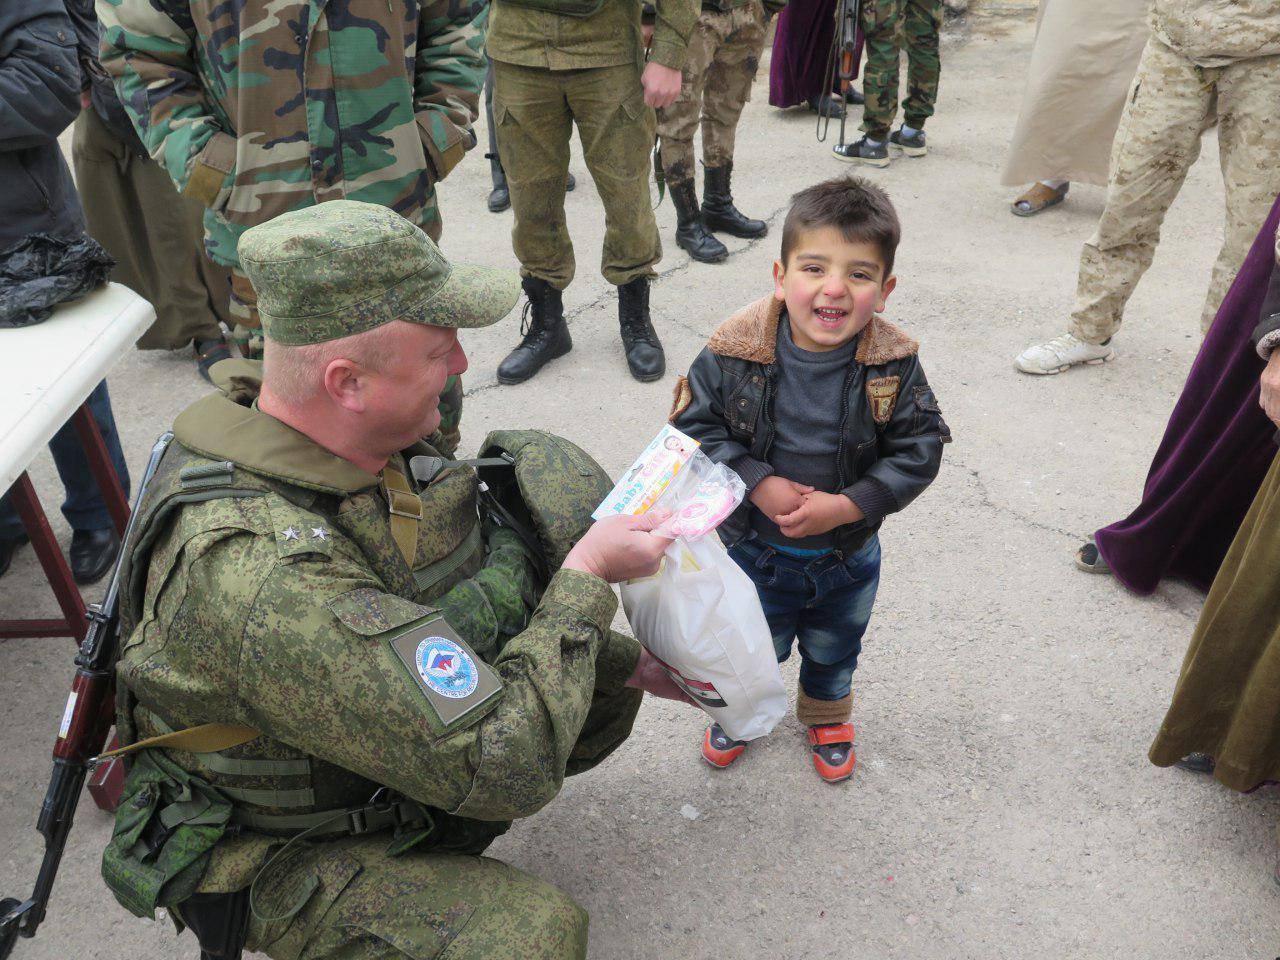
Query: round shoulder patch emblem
point(446, 668)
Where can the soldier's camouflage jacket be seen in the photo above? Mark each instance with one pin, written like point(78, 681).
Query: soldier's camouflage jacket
point(279, 607)
point(1214, 33)
point(256, 108)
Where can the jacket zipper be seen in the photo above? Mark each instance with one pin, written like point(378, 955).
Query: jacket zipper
point(844, 420)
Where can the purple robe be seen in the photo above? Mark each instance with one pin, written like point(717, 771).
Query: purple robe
point(1216, 449)
point(801, 51)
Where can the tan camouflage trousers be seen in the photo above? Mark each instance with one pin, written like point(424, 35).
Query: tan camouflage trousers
point(1170, 105)
point(536, 111)
point(721, 63)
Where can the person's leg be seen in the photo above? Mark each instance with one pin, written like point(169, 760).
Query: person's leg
point(500, 195)
point(617, 132)
point(676, 126)
point(1157, 142)
point(369, 906)
point(829, 634)
point(533, 129)
point(728, 87)
point(1249, 144)
point(880, 75)
point(84, 507)
point(921, 21)
point(242, 304)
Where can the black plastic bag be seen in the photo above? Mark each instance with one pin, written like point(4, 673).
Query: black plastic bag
point(42, 271)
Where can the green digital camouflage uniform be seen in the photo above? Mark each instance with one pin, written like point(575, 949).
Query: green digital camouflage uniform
point(1207, 62)
point(256, 108)
point(724, 54)
point(553, 71)
point(267, 587)
point(890, 25)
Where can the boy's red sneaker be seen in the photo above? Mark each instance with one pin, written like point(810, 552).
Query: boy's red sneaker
point(719, 749)
point(832, 746)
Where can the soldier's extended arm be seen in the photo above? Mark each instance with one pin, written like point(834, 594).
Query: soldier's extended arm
point(151, 58)
point(448, 77)
point(673, 25)
point(318, 671)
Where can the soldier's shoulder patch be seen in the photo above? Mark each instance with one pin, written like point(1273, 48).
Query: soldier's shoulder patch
point(882, 394)
point(297, 531)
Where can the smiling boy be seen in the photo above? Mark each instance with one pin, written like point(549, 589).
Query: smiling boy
point(822, 408)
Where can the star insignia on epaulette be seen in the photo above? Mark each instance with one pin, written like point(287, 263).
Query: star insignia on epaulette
point(319, 533)
point(289, 533)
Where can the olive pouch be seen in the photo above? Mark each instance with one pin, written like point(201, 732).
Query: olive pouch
point(167, 825)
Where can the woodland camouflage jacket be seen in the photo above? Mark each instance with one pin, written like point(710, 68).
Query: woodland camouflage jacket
point(258, 108)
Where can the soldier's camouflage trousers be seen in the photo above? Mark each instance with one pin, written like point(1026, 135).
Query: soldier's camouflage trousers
point(890, 25)
point(535, 110)
point(719, 68)
point(347, 900)
point(1171, 103)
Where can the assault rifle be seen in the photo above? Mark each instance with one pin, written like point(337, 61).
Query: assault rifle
point(86, 722)
point(842, 63)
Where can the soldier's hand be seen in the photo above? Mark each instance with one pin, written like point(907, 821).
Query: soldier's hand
point(620, 548)
point(661, 85)
point(1269, 398)
point(650, 677)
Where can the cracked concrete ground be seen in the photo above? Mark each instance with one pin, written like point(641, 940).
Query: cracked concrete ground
point(1003, 806)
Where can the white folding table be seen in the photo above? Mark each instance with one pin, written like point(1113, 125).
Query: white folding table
point(48, 371)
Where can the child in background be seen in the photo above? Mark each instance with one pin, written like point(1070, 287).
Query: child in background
point(822, 408)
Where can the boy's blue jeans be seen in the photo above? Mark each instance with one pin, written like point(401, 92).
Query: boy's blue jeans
point(84, 507)
point(824, 602)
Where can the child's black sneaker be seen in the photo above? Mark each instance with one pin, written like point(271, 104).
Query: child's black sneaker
point(912, 146)
point(863, 151)
point(719, 749)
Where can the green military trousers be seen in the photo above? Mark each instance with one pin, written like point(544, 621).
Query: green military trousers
point(156, 237)
point(348, 900)
point(890, 25)
point(535, 110)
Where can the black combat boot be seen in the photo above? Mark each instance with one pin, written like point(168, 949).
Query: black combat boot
point(639, 340)
point(691, 233)
point(546, 335)
point(718, 211)
point(500, 197)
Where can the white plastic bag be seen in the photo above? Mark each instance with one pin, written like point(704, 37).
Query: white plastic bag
point(700, 616)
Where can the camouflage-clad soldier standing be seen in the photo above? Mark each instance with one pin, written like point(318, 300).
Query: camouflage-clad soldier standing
point(1206, 62)
point(724, 53)
point(387, 689)
point(560, 63)
point(256, 108)
point(889, 26)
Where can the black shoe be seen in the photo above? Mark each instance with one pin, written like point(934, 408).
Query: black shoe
point(8, 547)
point(645, 358)
point(92, 554)
point(718, 211)
point(863, 152)
point(827, 106)
point(500, 196)
point(691, 232)
point(571, 185)
point(546, 335)
point(912, 146)
point(1196, 763)
point(209, 352)
point(854, 95)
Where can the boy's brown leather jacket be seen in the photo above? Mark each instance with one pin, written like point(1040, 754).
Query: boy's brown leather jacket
point(891, 433)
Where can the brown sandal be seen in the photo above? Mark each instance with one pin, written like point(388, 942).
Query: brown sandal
point(1038, 199)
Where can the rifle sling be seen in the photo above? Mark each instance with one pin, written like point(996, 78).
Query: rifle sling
point(206, 738)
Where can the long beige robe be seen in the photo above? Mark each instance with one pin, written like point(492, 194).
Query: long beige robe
point(1085, 56)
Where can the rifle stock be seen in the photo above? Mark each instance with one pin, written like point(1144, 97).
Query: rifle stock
point(86, 721)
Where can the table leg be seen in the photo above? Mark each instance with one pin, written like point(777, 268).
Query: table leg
point(104, 470)
point(56, 571)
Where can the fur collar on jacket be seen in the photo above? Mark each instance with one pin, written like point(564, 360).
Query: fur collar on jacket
point(752, 334)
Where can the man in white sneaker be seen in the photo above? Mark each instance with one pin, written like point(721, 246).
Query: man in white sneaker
point(1207, 61)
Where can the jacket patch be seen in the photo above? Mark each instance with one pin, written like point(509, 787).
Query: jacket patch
point(681, 399)
point(882, 393)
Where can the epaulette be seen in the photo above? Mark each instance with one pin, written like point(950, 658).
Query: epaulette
point(298, 532)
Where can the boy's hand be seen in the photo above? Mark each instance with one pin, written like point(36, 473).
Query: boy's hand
point(776, 495)
point(819, 513)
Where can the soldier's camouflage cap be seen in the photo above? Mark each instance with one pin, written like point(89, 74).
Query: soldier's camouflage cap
point(345, 267)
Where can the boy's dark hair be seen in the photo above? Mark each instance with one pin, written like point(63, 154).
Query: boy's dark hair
point(861, 211)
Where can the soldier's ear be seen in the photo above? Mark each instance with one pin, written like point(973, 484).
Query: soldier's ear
point(344, 382)
point(779, 273)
